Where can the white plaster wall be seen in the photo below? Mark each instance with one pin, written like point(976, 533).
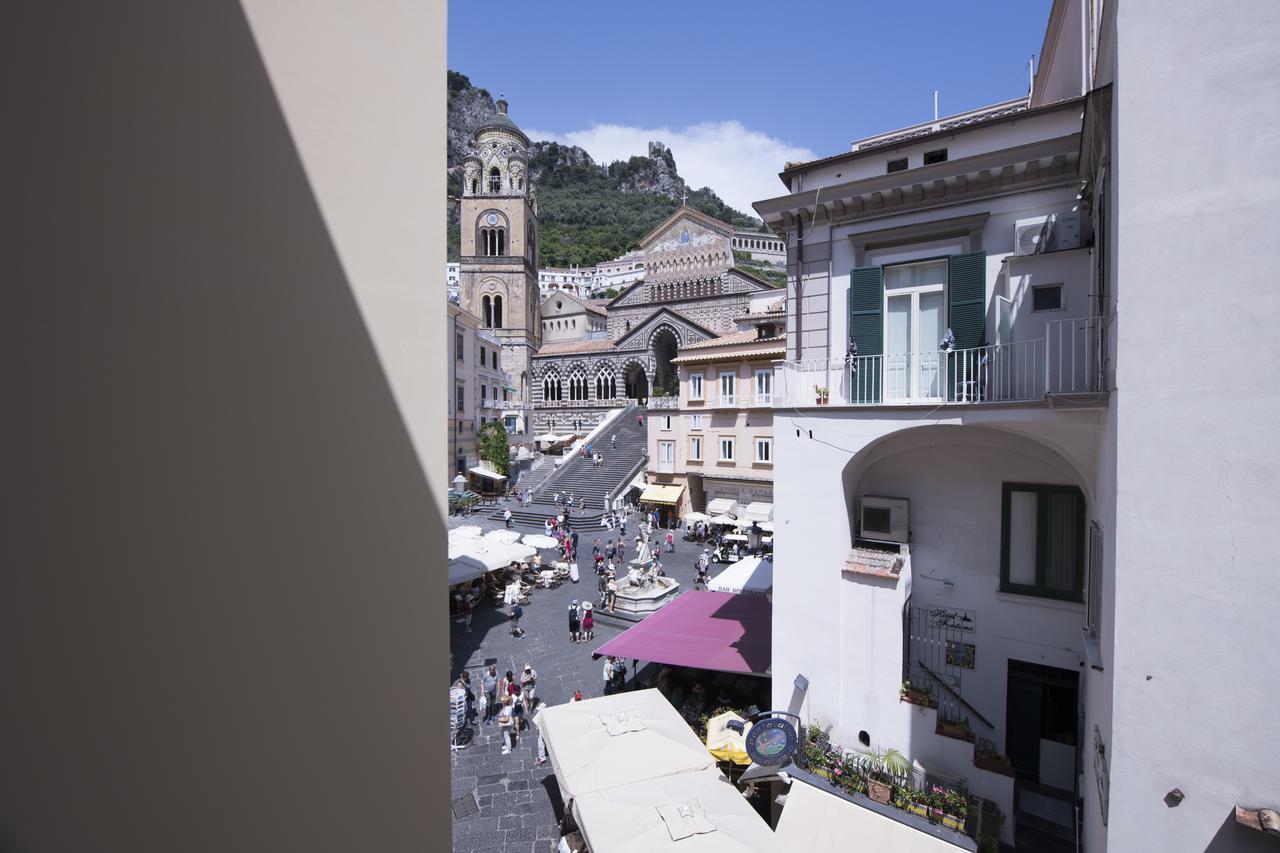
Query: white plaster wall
point(1021, 131)
point(851, 653)
point(997, 240)
point(1198, 457)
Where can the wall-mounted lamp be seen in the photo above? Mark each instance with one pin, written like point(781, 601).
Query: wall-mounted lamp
point(801, 683)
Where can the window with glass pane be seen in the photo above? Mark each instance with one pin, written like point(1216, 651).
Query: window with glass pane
point(764, 450)
point(764, 386)
point(695, 422)
point(914, 321)
point(1042, 543)
point(695, 448)
point(726, 450)
point(695, 386)
point(728, 382)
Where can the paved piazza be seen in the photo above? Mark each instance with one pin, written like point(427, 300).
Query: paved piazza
point(520, 808)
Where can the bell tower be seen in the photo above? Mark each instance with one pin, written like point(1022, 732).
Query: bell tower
point(498, 275)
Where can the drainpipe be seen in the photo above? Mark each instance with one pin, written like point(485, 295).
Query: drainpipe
point(799, 287)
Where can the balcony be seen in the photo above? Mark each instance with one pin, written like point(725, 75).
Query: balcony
point(1068, 360)
point(658, 403)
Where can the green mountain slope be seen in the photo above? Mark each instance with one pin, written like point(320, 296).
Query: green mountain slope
point(588, 212)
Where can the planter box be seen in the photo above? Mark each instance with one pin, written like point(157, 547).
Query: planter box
point(914, 697)
point(879, 791)
point(955, 732)
point(994, 765)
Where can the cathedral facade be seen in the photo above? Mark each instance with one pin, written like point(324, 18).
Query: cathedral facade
point(691, 291)
point(581, 360)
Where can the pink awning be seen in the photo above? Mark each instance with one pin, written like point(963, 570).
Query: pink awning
point(704, 629)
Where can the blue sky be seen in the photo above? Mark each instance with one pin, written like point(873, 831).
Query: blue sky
point(736, 89)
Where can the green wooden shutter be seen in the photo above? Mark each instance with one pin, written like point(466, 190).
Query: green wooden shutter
point(967, 289)
point(866, 327)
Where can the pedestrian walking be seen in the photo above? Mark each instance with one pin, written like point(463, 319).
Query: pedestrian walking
point(671, 542)
point(546, 527)
point(542, 750)
point(513, 693)
point(506, 722)
point(588, 622)
point(528, 681)
point(607, 674)
point(516, 612)
point(611, 589)
point(574, 626)
point(506, 517)
point(468, 608)
point(489, 683)
point(613, 442)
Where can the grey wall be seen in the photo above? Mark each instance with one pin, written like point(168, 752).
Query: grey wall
point(223, 621)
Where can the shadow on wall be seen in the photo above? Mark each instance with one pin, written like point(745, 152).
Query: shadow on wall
point(226, 542)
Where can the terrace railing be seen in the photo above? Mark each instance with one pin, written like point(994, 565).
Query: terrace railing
point(1068, 360)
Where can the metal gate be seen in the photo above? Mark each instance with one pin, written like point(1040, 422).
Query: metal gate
point(927, 631)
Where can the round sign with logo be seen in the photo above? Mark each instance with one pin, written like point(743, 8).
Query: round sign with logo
point(771, 741)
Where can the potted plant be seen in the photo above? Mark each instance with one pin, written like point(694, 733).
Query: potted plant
point(958, 729)
point(988, 757)
point(922, 696)
point(989, 829)
point(817, 752)
point(817, 395)
point(882, 769)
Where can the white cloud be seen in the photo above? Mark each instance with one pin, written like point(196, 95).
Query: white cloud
point(740, 164)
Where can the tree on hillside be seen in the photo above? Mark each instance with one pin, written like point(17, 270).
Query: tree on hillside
point(495, 446)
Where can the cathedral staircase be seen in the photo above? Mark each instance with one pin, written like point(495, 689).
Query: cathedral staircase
point(584, 480)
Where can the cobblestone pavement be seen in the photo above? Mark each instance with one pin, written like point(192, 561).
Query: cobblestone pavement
point(519, 804)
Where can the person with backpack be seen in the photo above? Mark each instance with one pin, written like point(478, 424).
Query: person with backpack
point(506, 517)
point(516, 612)
point(574, 626)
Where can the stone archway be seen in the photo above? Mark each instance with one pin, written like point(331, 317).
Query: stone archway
point(637, 381)
point(665, 345)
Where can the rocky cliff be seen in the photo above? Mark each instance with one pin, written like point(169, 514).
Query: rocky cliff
point(588, 212)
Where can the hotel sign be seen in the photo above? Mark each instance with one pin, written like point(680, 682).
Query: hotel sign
point(950, 619)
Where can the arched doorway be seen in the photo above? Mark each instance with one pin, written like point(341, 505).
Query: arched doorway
point(637, 382)
point(665, 347)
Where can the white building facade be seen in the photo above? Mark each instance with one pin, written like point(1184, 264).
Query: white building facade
point(993, 489)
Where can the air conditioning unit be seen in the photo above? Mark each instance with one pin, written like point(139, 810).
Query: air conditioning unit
point(1066, 231)
point(1051, 233)
point(884, 519)
point(1029, 234)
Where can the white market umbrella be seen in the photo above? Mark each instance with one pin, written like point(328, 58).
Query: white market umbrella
point(502, 535)
point(466, 531)
point(695, 517)
point(766, 526)
point(508, 552)
point(725, 519)
point(748, 575)
point(537, 540)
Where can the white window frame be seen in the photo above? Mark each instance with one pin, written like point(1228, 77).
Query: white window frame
point(696, 386)
point(695, 421)
point(766, 443)
point(695, 448)
point(730, 399)
point(666, 423)
point(1062, 297)
point(765, 398)
point(666, 449)
point(732, 441)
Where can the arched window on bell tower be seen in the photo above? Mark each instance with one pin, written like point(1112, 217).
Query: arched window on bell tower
point(497, 311)
point(487, 308)
point(495, 180)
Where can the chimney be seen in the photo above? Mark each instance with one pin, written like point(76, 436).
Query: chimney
point(502, 105)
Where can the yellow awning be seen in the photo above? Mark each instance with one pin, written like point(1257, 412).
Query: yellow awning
point(726, 744)
point(659, 494)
